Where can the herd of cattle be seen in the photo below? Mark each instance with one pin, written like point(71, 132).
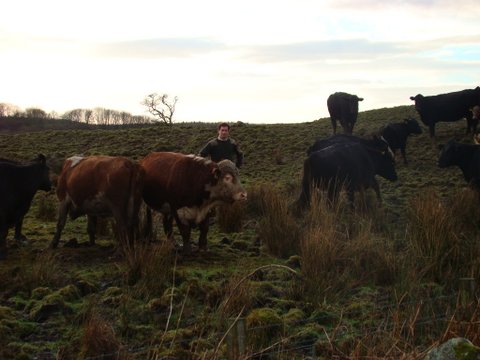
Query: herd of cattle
point(186, 188)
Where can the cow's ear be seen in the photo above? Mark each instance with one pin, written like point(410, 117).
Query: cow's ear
point(41, 159)
point(359, 98)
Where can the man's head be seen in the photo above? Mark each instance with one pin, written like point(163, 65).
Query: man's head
point(223, 131)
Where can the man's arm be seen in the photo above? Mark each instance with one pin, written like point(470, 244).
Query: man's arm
point(205, 150)
point(239, 155)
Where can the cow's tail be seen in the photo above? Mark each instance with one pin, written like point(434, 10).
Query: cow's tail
point(137, 176)
point(304, 199)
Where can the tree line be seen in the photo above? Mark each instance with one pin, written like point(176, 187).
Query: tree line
point(157, 105)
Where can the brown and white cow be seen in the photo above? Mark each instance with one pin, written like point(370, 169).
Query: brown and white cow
point(102, 186)
point(191, 187)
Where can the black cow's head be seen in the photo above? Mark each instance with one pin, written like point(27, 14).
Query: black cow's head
point(43, 173)
point(418, 101)
point(413, 127)
point(449, 154)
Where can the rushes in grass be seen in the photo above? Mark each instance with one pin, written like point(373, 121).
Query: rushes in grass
point(278, 230)
point(99, 339)
point(47, 207)
point(149, 266)
point(230, 217)
point(443, 238)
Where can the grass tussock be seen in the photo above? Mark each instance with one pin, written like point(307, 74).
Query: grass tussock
point(336, 256)
point(45, 271)
point(47, 207)
point(99, 340)
point(148, 267)
point(238, 297)
point(442, 242)
point(230, 217)
point(278, 230)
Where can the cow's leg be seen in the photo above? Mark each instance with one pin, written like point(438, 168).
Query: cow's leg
point(472, 124)
point(3, 239)
point(334, 125)
point(203, 228)
point(349, 128)
point(376, 188)
point(62, 219)
point(19, 237)
point(185, 232)
point(167, 222)
point(122, 227)
point(404, 155)
point(431, 130)
point(91, 228)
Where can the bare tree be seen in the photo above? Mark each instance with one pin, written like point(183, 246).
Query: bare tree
point(160, 107)
point(35, 113)
point(8, 109)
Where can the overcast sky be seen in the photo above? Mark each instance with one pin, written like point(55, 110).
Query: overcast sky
point(256, 61)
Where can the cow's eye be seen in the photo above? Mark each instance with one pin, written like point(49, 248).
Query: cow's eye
point(228, 178)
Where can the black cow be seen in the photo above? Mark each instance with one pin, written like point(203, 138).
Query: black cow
point(466, 157)
point(396, 135)
point(344, 108)
point(448, 107)
point(346, 161)
point(18, 226)
point(375, 142)
point(18, 185)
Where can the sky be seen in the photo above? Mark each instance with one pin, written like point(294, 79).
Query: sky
point(255, 61)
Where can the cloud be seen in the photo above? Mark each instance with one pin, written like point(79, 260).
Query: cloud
point(159, 48)
point(318, 50)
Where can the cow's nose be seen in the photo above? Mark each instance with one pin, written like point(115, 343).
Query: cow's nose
point(243, 196)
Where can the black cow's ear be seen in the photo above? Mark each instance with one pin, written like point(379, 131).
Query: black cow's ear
point(41, 159)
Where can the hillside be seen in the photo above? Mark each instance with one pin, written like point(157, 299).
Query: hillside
point(80, 302)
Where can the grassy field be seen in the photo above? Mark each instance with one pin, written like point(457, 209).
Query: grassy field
point(382, 282)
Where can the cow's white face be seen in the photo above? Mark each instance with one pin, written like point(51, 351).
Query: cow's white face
point(227, 188)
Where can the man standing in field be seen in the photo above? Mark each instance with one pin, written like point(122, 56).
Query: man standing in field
point(223, 147)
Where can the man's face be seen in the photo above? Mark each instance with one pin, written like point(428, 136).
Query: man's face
point(223, 132)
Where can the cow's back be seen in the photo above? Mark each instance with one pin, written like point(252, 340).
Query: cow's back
point(343, 162)
point(177, 179)
point(115, 180)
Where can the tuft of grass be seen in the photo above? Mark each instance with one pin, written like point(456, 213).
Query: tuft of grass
point(148, 267)
point(339, 250)
point(279, 232)
point(47, 207)
point(44, 271)
point(230, 217)
point(442, 247)
point(99, 339)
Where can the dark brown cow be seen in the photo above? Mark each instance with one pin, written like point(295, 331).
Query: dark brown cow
point(344, 108)
point(100, 186)
point(191, 186)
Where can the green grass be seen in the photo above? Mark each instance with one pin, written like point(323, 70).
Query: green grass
point(360, 291)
